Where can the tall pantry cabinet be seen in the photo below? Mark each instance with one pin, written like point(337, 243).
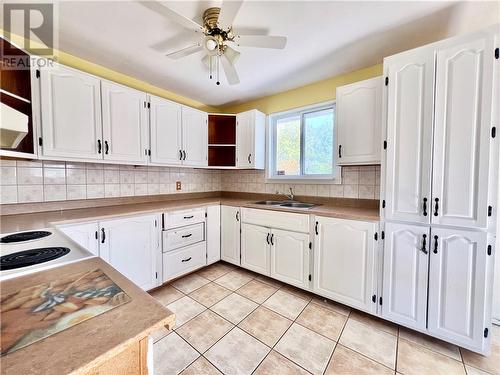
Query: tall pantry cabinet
point(440, 195)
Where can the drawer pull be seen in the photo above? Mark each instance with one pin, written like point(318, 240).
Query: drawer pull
point(188, 217)
point(186, 260)
point(187, 235)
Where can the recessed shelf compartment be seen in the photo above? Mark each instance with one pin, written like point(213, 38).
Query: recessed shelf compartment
point(222, 156)
point(221, 140)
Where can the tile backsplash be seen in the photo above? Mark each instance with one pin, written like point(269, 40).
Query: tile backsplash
point(37, 181)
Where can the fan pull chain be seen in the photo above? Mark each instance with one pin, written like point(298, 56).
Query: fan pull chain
point(210, 64)
point(218, 68)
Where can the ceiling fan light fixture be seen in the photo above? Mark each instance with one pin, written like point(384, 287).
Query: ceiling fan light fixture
point(210, 44)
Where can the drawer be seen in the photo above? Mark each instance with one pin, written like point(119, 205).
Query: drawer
point(185, 217)
point(179, 262)
point(183, 236)
point(276, 219)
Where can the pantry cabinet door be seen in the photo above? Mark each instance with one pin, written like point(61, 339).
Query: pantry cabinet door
point(84, 234)
point(290, 257)
point(230, 234)
point(125, 127)
point(358, 115)
point(132, 246)
point(406, 260)
point(464, 84)
point(255, 248)
point(458, 287)
point(166, 131)
point(345, 262)
point(409, 135)
point(194, 137)
point(71, 114)
point(213, 233)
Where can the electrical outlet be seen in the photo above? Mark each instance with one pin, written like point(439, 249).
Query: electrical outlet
point(178, 185)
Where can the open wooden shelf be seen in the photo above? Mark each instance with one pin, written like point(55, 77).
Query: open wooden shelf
point(221, 140)
point(222, 156)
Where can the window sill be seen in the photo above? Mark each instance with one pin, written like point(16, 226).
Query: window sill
point(304, 181)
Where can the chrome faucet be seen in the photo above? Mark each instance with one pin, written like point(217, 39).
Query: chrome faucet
point(289, 196)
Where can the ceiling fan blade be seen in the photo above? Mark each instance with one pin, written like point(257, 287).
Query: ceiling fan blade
point(262, 41)
point(231, 54)
point(186, 51)
point(228, 12)
point(172, 15)
point(206, 60)
point(229, 71)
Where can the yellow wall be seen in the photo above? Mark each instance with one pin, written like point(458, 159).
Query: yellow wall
point(316, 92)
point(103, 72)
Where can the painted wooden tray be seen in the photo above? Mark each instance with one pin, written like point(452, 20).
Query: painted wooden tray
point(34, 313)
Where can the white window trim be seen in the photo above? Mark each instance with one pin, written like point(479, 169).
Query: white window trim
point(335, 179)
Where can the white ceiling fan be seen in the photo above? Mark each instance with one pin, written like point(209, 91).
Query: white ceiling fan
point(216, 36)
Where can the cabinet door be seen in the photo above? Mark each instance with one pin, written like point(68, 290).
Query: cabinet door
point(131, 246)
point(358, 113)
point(464, 79)
point(124, 119)
point(85, 234)
point(409, 135)
point(458, 288)
point(290, 257)
point(213, 234)
point(406, 260)
point(71, 113)
point(244, 140)
point(166, 131)
point(256, 248)
point(194, 137)
point(345, 262)
point(230, 234)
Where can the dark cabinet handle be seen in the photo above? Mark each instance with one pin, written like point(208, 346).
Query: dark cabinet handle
point(186, 260)
point(249, 158)
point(237, 215)
point(103, 235)
point(436, 244)
point(272, 239)
point(436, 206)
point(424, 244)
point(187, 235)
point(99, 146)
point(183, 155)
point(180, 154)
point(340, 151)
point(267, 238)
point(106, 147)
point(316, 228)
point(425, 206)
point(188, 217)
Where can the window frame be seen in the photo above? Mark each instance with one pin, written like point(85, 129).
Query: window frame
point(271, 176)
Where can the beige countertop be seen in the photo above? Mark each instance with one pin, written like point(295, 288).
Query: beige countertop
point(90, 343)
point(20, 222)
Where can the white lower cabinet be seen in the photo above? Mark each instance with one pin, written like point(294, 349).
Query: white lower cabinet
point(230, 234)
point(460, 279)
point(213, 234)
point(256, 248)
point(290, 257)
point(84, 234)
point(406, 260)
point(132, 246)
point(345, 262)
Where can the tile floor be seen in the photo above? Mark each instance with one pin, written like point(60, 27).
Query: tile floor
point(233, 321)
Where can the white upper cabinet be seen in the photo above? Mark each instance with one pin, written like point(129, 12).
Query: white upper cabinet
point(359, 118)
point(405, 272)
point(290, 257)
point(464, 84)
point(256, 248)
point(345, 262)
point(71, 114)
point(132, 246)
point(460, 272)
point(165, 131)
point(250, 139)
point(230, 234)
point(409, 135)
point(124, 123)
point(194, 137)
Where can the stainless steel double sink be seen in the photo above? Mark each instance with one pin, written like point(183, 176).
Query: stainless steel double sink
point(287, 204)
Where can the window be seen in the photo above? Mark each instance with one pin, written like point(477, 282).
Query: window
point(302, 144)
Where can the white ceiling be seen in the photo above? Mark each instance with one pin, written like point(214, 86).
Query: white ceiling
point(325, 38)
